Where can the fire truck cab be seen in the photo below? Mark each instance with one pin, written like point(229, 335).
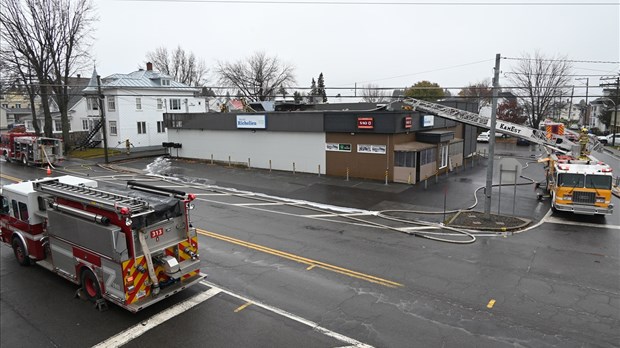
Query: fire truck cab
point(580, 185)
point(133, 247)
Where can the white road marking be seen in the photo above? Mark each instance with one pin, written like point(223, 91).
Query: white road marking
point(555, 220)
point(345, 339)
point(250, 204)
point(138, 330)
point(419, 228)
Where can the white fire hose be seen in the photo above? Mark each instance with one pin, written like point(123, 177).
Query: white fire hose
point(149, 262)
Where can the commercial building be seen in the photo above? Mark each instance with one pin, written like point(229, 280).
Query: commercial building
point(358, 140)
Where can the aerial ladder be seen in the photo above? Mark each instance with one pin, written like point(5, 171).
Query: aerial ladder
point(556, 142)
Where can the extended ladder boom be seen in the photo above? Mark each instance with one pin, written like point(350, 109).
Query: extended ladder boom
point(533, 135)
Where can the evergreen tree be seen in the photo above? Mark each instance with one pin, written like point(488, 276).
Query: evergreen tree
point(297, 96)
point(313, 89)
point(321, 88)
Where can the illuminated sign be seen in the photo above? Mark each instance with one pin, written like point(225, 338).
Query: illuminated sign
point(428, 121)
point(365, 123)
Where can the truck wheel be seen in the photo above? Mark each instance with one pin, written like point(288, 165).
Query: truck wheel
point(90, 285)
point(24, 160)
point(20, 252)
point(6, 157)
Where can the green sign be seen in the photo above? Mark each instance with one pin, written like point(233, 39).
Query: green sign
point(344, 147)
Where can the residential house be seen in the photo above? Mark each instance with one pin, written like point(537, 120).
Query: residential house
point(135, 104)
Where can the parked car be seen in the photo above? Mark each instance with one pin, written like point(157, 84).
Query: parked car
point(524, 142)
point(602, 139)
point(484, 136)
point(610, 139)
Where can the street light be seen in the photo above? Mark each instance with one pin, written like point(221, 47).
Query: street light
point(613, 129)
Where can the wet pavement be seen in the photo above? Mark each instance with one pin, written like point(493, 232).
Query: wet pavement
point(456, 199)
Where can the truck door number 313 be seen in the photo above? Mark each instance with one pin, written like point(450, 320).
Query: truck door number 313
point(157, 233)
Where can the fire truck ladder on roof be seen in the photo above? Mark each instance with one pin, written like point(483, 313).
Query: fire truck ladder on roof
point(94, 197)
point(533, 135)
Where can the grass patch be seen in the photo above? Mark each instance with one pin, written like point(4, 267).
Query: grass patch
point(92, 153)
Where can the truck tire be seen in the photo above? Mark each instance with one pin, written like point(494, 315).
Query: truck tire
point(24, 160)
point(6, 157)
point(90, 285)
point(20, 252)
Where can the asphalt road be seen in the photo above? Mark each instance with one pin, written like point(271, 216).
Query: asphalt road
point(291, 275)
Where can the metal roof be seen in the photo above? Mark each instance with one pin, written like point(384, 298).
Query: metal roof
point(144, 79)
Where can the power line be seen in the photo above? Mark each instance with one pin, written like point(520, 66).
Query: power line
point(564, 60)
point(376, 3)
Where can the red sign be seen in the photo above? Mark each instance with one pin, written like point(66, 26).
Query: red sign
point(365, 123)
point(157, 233)
point(408, 122)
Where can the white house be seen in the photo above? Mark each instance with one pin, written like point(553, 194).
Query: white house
point(135, 104)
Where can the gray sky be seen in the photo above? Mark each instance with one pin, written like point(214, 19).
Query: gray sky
point(447, 42)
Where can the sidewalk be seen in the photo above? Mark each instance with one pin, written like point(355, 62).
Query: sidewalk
point(415, 202)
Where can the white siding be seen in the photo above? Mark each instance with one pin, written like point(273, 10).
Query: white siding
point(307, 150)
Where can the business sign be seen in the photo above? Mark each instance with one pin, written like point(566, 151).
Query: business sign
point(408, 122)
point(428, 121)
point(338, 147)
point(365, 123)
point(511, 128)
point(251, 121)
point(376, 149)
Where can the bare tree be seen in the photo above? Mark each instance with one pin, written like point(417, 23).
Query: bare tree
point(46, 40)
point(371, 93)
point(182, 66)
point(257, 77)
point(480, 91)
point(537, 81)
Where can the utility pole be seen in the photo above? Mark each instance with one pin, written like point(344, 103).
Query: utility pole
point(489, 184)
point(616, 99)
point(103, 122)
point(570, 106)
point(586, 122)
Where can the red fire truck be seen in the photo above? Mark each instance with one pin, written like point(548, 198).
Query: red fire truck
point(29, 148)
point(133, 247)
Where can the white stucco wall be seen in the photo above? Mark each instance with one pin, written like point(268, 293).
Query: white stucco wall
point(307, 150)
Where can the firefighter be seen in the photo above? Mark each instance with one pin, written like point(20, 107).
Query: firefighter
point(128, 146)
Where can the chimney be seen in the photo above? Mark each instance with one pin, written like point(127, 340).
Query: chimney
point(78, 76)
point(149, 66)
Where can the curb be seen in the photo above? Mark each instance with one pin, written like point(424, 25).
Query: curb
point(524, 223)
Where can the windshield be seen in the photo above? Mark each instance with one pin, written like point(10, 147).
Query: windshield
point(571, 180)
point(598, 182)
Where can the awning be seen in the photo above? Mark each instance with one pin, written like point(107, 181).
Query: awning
point(413, 146)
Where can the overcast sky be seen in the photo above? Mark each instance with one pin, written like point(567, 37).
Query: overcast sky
point(448, 42)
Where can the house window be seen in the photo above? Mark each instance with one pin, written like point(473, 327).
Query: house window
point(175, 104)
point(84, 124)
point(57, 126)
point(160, 127)
point(111, 104)
point(141, 127)
point(18, 105)
point(427, 156)
point(5, 106)
point(404, 159)
point(113, 129)
point(138, 103)
point(160, 103)
point(92, 103)
point(443, 150)
point(165, 82)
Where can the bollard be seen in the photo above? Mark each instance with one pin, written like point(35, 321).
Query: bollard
point(436, 178)
point(293, 167)
point(229, 163)
point(211, 158)
point(319, 170)
point(249, 163)
point(269, 166)
point(409, 179)
point(347, 173)
point(386, 177)
point(425, 184)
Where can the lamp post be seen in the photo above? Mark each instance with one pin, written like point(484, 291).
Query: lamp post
point(613, 129)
